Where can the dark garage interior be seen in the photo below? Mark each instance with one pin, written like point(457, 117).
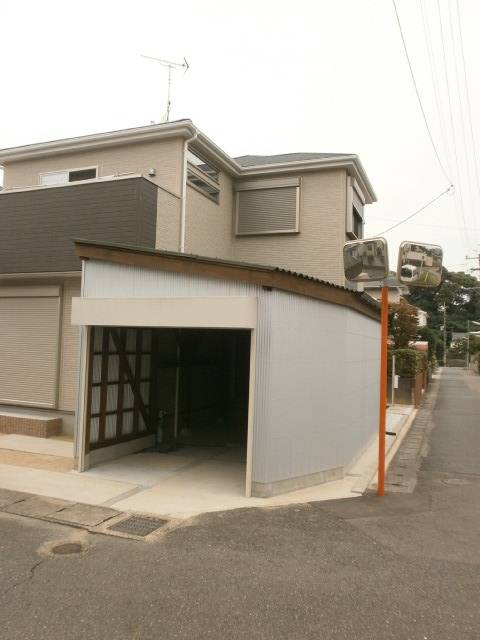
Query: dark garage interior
point(188, 387)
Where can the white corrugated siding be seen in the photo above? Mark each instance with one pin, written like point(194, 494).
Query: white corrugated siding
point(323, 386)
point(29, 331)
point(316, 393)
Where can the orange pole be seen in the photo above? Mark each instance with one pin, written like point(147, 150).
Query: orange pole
point(383, 392)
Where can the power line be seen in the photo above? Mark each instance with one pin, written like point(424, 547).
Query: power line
point(459, 95)
point(419, 98)
point(467, 94)
point(435, 83)
point(452, 125)
point(415, 213)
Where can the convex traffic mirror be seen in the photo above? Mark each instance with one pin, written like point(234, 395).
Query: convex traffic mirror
point(420, 265)
point(366, 260)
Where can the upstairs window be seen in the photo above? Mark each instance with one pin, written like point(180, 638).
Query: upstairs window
point(354, 211)
point(204, 186)
point(68, 175)
point(203, 165)
point(357, 223)
point(203, 175)
point(268, 207)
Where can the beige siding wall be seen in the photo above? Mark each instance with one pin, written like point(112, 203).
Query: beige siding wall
point(209, 226)
point(166, 157)
point(317, 248)
point(168, 221)
point(67, 392)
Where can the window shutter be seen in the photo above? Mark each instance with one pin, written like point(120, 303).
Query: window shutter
point(270, 210)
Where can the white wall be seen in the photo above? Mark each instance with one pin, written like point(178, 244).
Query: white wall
point(317, 373)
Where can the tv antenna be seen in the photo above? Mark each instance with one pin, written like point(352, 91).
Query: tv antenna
point(171, 66)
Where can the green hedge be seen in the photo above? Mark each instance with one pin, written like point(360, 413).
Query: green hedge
point(408, 362)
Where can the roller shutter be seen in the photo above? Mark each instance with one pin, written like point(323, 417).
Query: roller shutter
point(269, 207)
point(29, 341)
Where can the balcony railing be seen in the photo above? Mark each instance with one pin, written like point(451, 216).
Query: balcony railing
point(37, 225)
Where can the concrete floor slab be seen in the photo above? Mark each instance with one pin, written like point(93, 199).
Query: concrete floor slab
point(66, 486)
point(144, 468)
point(36, 507)
point(30, 444)
point(84, 515)
point(187, 482)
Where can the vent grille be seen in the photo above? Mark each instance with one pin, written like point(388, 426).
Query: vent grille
point(138, 525)
point(272, 210)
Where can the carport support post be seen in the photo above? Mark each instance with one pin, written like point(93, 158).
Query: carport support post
point(383, 392)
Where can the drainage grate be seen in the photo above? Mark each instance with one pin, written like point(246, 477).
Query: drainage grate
point(138, 525)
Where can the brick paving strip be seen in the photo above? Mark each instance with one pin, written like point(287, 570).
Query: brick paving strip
point(402, 473)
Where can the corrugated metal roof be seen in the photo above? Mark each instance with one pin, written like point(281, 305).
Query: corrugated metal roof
point(189, 257)
point(252, 160)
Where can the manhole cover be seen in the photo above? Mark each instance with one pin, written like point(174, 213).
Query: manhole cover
point(66, 548)
point(456, 481)
point(138, 525)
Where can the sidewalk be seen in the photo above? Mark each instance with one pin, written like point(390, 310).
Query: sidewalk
point(177, 485)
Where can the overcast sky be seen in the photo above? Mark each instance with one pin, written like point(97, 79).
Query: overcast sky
point(266, 76)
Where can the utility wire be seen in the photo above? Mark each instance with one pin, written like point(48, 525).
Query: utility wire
point(452, 125)
point(427, 126)
point(435, 83)
point(462, 119)
point(415, 213)
point(469, 106)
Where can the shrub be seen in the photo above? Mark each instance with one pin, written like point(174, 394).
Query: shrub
point(408, 362)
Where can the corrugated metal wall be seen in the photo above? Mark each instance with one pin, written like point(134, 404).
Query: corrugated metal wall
point(316, 392)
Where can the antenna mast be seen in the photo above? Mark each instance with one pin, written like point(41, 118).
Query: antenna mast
point(171, 66)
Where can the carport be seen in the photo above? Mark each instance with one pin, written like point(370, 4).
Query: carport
point(275, 370)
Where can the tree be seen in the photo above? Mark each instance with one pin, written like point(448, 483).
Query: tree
point(434, 339)
point(459, 292)
point(403, 324)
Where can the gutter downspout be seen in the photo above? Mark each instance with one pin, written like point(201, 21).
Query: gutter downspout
point(183, 213)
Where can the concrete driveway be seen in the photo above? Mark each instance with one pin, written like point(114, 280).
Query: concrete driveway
point(404, 567)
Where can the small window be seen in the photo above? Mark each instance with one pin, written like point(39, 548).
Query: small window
point(196, 181)
point(357, 224)
point(63, 177)
point(82, 174)
point(203, 165)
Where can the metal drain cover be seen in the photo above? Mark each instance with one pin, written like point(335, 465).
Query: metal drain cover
point(66, 548)
point(138, 525)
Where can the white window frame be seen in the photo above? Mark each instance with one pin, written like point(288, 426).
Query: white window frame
point(274, 183)
point(67, 171)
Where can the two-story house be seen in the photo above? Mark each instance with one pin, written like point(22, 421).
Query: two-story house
point(165, 186)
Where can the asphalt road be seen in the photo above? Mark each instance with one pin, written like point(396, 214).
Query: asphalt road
point(405, 567)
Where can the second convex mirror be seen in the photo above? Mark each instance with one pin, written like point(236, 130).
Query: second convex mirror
point(419, 264)
point(366, 260)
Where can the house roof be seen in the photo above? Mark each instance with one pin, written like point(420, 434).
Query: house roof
point(251, 165)
point(263, 275)
point(252, 161)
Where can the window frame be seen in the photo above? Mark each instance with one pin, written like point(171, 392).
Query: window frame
point(68, 171)
point(201, 157)
point(275, 183)
point(203, 177)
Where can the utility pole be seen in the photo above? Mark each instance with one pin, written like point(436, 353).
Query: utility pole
point(477, 257)
point(444, 335)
